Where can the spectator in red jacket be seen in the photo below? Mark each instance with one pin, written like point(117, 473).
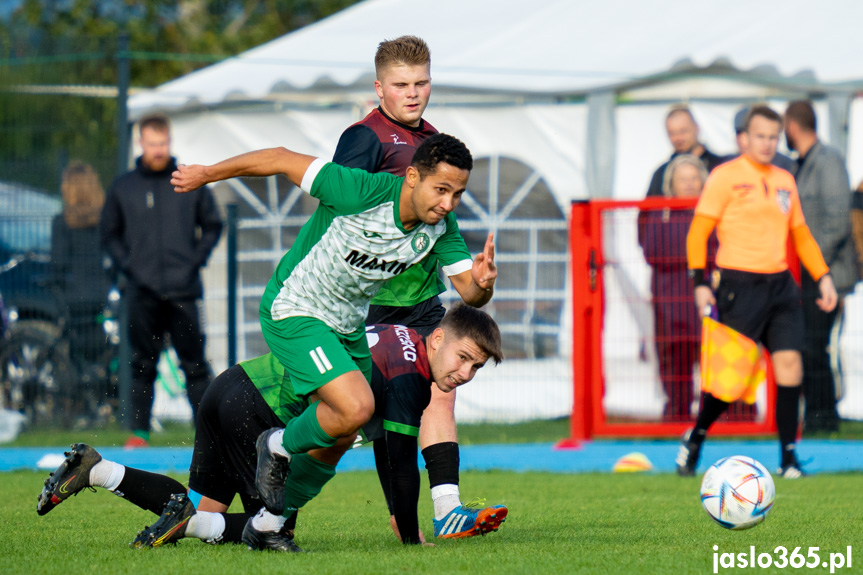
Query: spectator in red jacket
point(677, 325)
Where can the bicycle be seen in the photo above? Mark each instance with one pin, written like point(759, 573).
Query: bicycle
point(43, 380)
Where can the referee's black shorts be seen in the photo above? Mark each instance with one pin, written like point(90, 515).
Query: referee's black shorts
point(763, 307)
point(231, 416)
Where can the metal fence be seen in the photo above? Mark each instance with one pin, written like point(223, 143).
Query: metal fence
point(530, 304)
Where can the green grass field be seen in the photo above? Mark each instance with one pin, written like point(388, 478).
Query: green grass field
point(558, 523)
point(590, 523)
point(180, 434)
point(183, 434)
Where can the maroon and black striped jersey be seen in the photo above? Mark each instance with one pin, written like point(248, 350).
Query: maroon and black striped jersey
point(377, 143)
point(401, 380)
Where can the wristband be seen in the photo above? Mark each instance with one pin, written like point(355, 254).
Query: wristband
point(697, 277)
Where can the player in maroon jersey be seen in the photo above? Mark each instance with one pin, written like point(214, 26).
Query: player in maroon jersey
point(405, 365)
point(385, 141)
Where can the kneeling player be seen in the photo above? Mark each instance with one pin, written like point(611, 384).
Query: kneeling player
point(247, 400)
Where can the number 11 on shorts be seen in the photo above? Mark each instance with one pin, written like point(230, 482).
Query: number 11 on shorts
point(321, 361)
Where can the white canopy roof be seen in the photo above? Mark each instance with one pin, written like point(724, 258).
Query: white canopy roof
point(542, 47)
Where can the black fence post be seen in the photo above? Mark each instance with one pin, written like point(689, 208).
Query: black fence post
point(123, 79)
point(124, 368)
point(231, 213)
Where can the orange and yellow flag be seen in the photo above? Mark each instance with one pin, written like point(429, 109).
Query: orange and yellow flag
point(732, 365)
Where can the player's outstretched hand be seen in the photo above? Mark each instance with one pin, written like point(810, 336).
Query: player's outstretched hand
point(484, 270)
point(188, 178)
point(828, 300)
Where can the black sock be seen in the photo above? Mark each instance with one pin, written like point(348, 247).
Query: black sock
point(442, 461)
point(149, 491)
point(234, 525)
point(787, 418)
point(291, 522)
point(711, 409)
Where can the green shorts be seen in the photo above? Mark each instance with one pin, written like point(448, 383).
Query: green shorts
point(314, 354)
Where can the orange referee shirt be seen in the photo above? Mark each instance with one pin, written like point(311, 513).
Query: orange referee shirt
point(754, 206)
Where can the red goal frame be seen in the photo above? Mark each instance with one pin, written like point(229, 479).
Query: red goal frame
point(588, 418)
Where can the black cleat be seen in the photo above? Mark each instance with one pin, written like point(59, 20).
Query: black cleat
point(271, 474)
point(687, 456)
point(274, 540)
point(70, 478)
point(171, 525)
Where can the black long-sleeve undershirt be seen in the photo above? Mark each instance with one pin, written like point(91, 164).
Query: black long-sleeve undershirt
point(396, 462)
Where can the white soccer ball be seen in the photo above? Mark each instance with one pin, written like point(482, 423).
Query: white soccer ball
point(737, 492)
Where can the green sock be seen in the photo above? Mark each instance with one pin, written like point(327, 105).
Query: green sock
point(308, 476)
point(142, 433)
point(304, 433)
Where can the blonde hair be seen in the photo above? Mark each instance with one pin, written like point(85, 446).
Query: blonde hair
point(672, 166)
point(83, 196)
point(408, 50)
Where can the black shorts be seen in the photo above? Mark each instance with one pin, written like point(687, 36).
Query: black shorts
point(231, 416)
point(423, 317)
point(763, 307)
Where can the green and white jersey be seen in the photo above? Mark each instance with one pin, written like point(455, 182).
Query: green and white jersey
point(274, 385)
point(350, 246)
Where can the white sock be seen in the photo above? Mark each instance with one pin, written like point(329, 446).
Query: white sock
point(107, 474)
point(275, 444)
point(445, 498)
point(206, 526)
point(266, 521)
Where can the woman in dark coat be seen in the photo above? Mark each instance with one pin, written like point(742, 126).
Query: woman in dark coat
point(77, 260)
point(678, 327)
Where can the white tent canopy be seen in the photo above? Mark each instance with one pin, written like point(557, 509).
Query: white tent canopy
point(555, 98)
point(543, 47)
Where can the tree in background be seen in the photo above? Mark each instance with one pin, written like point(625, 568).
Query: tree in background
point(58, 64)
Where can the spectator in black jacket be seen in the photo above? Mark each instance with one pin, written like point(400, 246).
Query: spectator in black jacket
point(159, 240)
point(683, 134)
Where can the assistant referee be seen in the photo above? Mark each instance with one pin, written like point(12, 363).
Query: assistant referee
point(753, 206)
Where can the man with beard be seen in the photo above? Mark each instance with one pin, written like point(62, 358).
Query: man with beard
point(159, 241)
point(825, 197)
point(683, 134)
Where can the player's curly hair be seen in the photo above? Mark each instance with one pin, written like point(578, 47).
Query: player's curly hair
point(463, 320)
point(441, 148)
point(407, 50)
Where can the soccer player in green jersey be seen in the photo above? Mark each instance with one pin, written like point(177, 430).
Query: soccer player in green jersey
point(255, 398)
point(367, 229)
